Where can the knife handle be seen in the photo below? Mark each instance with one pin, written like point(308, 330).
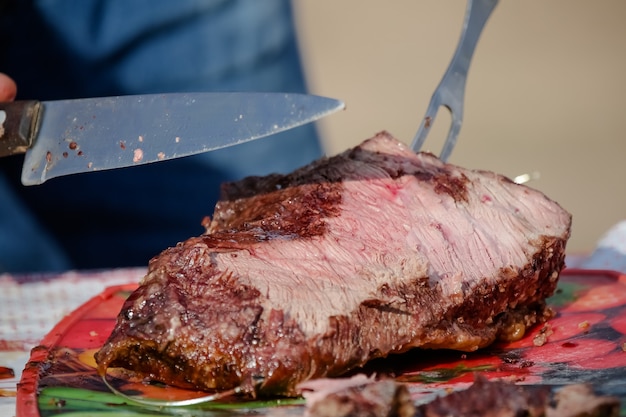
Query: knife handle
point(18, 125)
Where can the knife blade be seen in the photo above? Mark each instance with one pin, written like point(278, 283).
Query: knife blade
point(73, 136)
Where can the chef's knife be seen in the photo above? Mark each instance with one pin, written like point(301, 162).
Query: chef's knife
point(73, 136)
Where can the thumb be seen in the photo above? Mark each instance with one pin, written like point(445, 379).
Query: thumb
point(8, 89)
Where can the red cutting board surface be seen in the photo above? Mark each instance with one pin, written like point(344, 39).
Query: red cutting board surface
point(585, 343)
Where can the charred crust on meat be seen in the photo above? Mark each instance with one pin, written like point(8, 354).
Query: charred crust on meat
point(277, 214)
point(454, 186)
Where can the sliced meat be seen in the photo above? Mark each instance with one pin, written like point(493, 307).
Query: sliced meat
point(504, 399)
point(357, 396)
point(375, 251)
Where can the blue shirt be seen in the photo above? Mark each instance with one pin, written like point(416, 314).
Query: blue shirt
point(58, 49)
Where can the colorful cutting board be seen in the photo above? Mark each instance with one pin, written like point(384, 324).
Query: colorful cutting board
point(584, 343)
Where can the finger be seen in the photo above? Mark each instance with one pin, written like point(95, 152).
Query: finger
point(8, 89)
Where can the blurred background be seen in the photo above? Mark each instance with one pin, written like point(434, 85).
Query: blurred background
point(546, 91)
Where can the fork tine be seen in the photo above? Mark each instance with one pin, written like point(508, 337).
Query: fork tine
point(453, 134)
point(427, 122)
point(451, 90)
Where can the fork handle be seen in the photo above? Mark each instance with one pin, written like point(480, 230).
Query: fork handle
point(476, 15)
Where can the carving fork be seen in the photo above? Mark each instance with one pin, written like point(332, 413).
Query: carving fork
point(450, 92)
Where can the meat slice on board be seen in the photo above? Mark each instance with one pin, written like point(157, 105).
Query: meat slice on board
point(374, 251)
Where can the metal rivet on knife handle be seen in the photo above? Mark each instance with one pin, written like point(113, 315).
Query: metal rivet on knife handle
point(18, 123)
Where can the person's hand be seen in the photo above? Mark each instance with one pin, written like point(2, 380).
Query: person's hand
point(8, 89)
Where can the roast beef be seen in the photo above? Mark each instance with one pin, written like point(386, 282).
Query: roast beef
point(371, 252)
